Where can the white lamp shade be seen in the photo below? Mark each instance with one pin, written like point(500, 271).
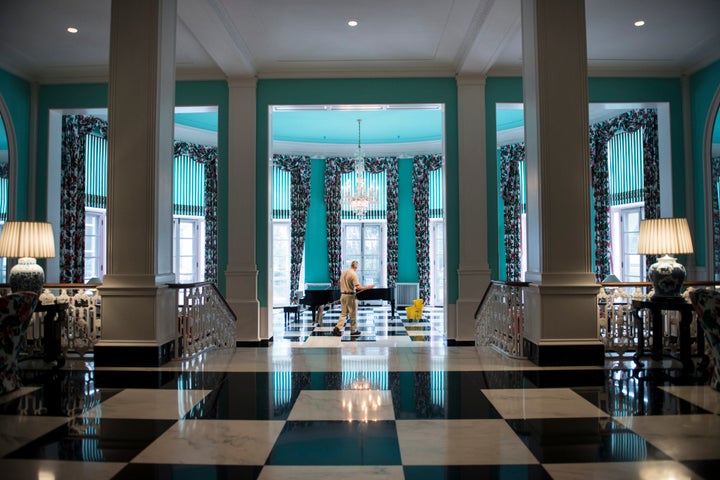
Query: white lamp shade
point(662, 236)
point(27, 239)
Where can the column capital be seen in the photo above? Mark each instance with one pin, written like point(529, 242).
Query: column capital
point(242, 82)
point(470, 80)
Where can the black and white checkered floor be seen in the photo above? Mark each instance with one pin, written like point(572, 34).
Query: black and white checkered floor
point(358, 411)
point(375, 322)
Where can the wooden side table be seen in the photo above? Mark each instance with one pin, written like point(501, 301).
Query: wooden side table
point(53, 321)
point(656, 307)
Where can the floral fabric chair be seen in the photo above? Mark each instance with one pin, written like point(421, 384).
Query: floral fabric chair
point(15, 313)
point(706, 302)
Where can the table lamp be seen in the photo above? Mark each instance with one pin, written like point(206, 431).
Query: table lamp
point(665, 236)
point(27, 241)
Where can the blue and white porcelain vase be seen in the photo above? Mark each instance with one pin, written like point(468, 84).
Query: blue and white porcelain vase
point(667, 277)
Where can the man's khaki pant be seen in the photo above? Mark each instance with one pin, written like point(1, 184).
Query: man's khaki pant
point(348, 306)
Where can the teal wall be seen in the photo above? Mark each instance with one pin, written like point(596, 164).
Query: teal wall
point(77, 96)
point(357, 91)
point(601, 90)
point(704, 85)
point(16, 94)
point(316, 261)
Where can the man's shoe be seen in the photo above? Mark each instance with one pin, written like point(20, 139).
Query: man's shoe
point(355, 333)
point(337, 332)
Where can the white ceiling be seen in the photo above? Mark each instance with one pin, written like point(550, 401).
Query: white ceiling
point(310, 38)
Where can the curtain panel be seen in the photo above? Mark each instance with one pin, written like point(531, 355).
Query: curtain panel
point(72, 194)
point(299, 169)
point(715, 172)
point(422, 166)
point(510, 188)
point(600, 135)
point(334, 168)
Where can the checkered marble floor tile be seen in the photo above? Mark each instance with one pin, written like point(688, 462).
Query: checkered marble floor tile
point(355, 412)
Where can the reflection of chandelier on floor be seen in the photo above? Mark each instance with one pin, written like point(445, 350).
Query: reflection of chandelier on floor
point(359, 198)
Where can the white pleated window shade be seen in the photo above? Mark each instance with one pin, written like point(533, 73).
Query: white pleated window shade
point(437, 198)
point(95, 171)
point(189, 187)
point(280, 194)
point(625, 167)
point(4, 197)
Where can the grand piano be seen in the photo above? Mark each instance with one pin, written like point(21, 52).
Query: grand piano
point(317, 297)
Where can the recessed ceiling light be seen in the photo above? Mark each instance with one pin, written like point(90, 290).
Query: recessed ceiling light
point(353, 23)
point(639, 23)
point(72, 30)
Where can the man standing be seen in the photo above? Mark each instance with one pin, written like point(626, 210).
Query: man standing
point(349, 286)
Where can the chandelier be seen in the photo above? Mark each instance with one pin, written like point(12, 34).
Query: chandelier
point(358, 197)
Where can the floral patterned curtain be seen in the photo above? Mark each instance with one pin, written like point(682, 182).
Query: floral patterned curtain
point(715, 178)
point(510, 158)
point(600, 135)
point(208, 156)
point(72, 194)
point(72, 204)
point(334, 168)
point(299, 168)
point(422, 165)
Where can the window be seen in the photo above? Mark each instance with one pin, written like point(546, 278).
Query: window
point(281, 262)
point(437, 262)
point(626, 263)
point(94, 243)
point(188, 249)
point(365, 241)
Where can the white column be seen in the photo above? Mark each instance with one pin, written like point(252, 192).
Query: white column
point(561, 321)
point(139, 313)
point(473, 269)
point(242, 275)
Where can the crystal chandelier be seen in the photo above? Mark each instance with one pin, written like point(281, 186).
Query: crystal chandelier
point(359, 198)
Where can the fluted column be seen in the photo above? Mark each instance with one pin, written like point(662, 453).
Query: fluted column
point(473, 270)
point(561, 319)
point(139, 314)
point(242, 274)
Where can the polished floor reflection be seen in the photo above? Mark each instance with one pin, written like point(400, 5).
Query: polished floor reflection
point(359, 410)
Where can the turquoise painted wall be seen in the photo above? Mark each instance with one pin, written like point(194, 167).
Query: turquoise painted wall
point(76, 96)
point(316, 261)
point(16, 94)
point(358, 91)
point(611, 90)
point(407, 259)
point(704, 85)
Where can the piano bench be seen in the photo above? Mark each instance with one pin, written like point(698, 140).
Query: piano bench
point(291, 309)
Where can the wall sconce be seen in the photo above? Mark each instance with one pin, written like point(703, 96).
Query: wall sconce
point(27, 241)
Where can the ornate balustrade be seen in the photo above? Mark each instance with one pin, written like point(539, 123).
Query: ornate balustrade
point(205, 320)
point(82, 327)
point(499, 320)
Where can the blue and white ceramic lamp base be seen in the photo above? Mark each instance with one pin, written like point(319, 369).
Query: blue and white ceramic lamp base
point(27, 276)
point(667, 277)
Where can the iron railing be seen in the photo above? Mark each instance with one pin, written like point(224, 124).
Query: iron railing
point(205, 320)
